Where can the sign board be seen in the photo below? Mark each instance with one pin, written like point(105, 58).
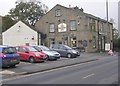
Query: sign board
point(62, 27)
point(107, 46)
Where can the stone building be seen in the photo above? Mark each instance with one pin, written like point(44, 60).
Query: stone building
point(74, 27)
point(119, 17)
point(0, 30)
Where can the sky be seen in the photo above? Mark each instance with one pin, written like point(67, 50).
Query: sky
point(94, 7)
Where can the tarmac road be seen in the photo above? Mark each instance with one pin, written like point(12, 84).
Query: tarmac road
point(102, 71)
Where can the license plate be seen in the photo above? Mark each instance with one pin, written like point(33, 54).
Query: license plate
point(13, 60)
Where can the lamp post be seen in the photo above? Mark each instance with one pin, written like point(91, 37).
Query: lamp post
point(108, 29)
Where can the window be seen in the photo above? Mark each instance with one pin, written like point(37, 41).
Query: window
point(73, 25)
point(94, 42)
point(58, 12)
point(22, 50)
point(52, 27)
point(92, 27)
point(54, 46)
point(9, 50)
point(31, 49)
point(101, 27)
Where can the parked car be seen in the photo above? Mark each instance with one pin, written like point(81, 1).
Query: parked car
point(65, 51)
point(80, 49)
point(28, 53)
point(52, 55)
point(9, 56)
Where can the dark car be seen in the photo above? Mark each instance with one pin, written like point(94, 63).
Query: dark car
point(52, 55)
point(9, 56)
point(65, 51)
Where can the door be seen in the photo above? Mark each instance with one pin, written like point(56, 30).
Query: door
point(62, 50)
point(24, 55)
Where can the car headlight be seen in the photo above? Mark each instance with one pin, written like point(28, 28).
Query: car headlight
point(37, 55)
point(74, 51)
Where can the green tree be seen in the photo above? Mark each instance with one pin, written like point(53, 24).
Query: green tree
point(7, 22)
point(116, 39)
point(29, 12)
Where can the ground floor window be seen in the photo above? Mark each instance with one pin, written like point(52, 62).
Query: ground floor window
point(94, 42)
point(74, 42)
point(51, 41)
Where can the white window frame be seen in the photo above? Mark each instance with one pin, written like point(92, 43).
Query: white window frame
point(73, 25)
point(52, 28)
point(58, 12)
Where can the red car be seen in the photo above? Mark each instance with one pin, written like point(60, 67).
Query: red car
point(30, 54)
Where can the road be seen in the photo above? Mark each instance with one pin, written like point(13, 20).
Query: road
point(103, 71)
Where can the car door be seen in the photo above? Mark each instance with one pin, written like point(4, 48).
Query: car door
point(62, 50)
point(24, 55)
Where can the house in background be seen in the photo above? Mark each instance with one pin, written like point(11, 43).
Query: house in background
point(21, 34)
point(73, 27)
point(0, 30)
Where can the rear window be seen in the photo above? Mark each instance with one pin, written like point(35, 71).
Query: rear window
point(37, 48)
point(9, 50)
point(54, 46)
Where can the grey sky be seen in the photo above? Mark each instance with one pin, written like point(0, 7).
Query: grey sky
point(95, 7)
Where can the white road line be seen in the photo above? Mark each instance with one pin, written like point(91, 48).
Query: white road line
point(23, 76)
point(88, 76)
point(7, 72)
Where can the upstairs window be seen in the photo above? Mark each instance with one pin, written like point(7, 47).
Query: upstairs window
point(52, 27)
point(101, 27)
point(73, 25)
point(92, 27)
point(58, 13)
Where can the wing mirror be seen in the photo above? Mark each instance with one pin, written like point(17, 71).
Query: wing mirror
point(26, 52)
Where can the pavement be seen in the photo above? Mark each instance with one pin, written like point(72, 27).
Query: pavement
point(29, 68)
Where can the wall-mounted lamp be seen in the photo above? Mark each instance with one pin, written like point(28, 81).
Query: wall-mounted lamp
point(90, 40)
point(33, 38)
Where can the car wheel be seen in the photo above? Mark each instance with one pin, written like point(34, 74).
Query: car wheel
point(13, 66)
point(31, 60)
point(69, 55)
point(47, 58)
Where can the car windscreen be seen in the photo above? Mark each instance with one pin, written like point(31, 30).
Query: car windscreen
point(9, 50)
point(44, 48)
point(31, 49)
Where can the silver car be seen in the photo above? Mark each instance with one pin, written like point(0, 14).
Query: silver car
point(52, 55)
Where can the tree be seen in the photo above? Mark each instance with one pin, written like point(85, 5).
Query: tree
point(7, 22)
point(29, 12)
point(116, 39)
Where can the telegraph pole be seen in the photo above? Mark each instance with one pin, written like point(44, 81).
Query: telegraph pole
point(108, 29)
point(107, 10)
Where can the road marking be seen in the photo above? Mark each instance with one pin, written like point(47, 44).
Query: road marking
point(26, 63)
point(23, 76)
point(88, 76)
point(6, 72)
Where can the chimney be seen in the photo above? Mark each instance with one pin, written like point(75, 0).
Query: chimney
point(69, 6)
point(81, 10)
point(76, 8)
